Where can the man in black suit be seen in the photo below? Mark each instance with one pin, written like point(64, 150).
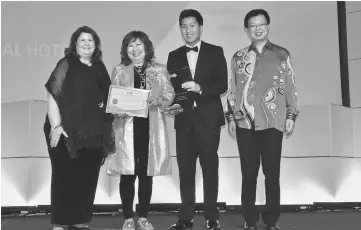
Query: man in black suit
point(198, 126)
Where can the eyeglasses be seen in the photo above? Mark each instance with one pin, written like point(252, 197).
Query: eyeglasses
point(261, 25)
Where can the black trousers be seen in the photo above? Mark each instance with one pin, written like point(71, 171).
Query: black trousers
point(201, 141)
point(73, 183)
point(255, 147)
point(127, 192)
point(145, 183)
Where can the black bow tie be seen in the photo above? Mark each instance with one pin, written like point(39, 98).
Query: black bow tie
point(195, 49)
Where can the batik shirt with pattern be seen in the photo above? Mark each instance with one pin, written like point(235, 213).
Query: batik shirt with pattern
point(262, 88)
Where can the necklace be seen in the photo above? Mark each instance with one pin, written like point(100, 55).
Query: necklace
point(141, 71)
point(86, 62)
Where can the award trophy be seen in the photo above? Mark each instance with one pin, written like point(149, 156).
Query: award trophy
point(177, 78)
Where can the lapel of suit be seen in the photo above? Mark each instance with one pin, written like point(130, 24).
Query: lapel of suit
point(183, 57)
point(200, 62)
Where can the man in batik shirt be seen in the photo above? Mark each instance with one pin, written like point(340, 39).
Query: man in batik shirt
point(261, 108)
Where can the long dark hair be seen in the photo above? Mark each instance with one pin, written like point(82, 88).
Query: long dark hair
point(132, 37)
point(71, 50)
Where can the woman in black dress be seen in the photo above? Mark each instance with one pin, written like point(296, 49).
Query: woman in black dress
point(77, 129)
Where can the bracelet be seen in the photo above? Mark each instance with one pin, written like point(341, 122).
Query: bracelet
point(230, 117)
point(55, 127)
point(291, 116)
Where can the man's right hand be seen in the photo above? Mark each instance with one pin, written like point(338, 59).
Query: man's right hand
point(232, 128)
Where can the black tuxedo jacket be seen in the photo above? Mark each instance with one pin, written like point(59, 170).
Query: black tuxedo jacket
point(211, 75)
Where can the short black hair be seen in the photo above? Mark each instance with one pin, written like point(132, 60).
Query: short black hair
point(191, 13)
point(132, 36)
point(254, 13)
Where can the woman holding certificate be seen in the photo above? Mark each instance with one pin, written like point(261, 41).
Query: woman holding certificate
point(78, 132)
point(142, 148)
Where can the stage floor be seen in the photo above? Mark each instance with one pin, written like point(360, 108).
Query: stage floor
point(345, 220)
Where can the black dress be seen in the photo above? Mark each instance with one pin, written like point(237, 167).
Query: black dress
point(81, 93)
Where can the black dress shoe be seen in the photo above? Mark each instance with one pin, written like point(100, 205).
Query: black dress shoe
point(182, 224)
point(213, 225)
point(79, 228)
point(273, 227)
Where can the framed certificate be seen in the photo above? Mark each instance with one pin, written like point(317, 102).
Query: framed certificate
point(127, 100)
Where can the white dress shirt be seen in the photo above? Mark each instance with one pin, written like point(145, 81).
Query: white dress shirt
point(192, 57)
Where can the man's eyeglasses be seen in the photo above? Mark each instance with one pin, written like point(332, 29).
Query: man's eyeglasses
point(261, 25)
